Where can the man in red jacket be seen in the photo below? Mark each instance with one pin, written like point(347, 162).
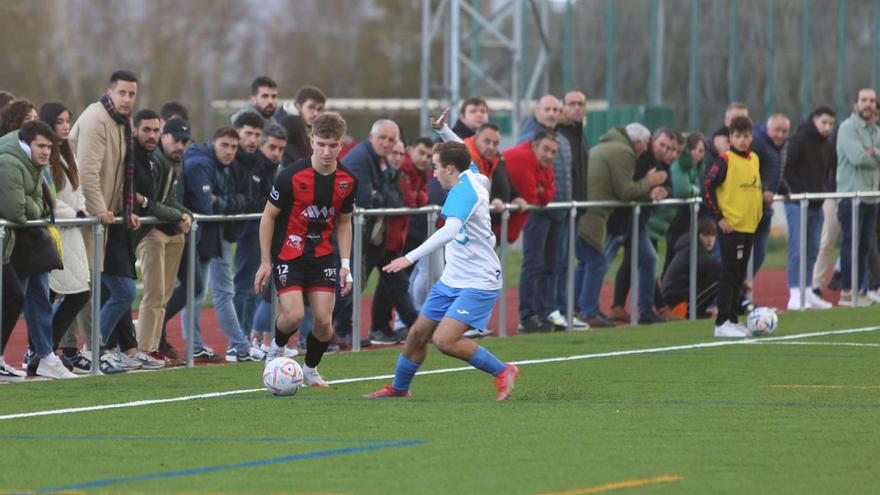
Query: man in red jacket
point(393, 288)
point(530, 165)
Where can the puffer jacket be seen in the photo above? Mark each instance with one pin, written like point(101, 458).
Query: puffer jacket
point(74, 278)
point(21, 193)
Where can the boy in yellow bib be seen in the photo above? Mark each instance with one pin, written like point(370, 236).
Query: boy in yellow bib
point(732, 192)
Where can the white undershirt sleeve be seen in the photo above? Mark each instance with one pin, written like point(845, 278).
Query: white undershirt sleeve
point(447, 135)
point(439, 239)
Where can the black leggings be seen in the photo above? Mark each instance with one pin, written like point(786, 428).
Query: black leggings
point(13, 303)
point(70, 306)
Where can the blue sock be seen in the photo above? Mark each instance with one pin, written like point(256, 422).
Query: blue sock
point(486, 361)
point(404, 373)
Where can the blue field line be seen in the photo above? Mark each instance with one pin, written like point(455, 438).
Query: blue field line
point(226, 467)
point(92, 438)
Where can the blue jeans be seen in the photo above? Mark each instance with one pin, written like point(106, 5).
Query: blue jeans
point(122, 294)
point(647, 267)
point(867, 225)
point(247, 262)
point(537, 280)
point(220, 279)
point(38, 312)
point(814, 235)
point(759, 252)
point(596, 265)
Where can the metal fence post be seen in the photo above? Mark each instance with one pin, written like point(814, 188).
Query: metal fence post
point(432, 227)
point(802, 252)
point(692, 269)
point(569, 270)
point(356, 272)
point(2, 250)
point(634, 268)
point(854, 252)
point(502, 303)
point(97, 264)
point(191, 293)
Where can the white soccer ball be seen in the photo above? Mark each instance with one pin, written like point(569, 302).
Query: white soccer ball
point(282, 376)
point(762, 321)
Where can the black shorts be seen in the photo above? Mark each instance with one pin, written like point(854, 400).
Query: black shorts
point(312, 275)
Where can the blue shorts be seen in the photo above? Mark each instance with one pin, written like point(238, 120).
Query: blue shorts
point(470, 306)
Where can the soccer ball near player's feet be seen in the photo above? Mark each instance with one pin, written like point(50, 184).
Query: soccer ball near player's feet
point(762, 321)
point(282, 376)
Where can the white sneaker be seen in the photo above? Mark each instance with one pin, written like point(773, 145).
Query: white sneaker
point(730, 329)
point(476, 333)
point(125, 362)
point(557, 319)
point(50, 367)
point(10, 374)
point(273, 351)
point(794, 299)
point(311, 378)
point(846, 300)
point(816, 302)
point(290, 352)
point(579, 324)
point(147, 362)
point(873, 295)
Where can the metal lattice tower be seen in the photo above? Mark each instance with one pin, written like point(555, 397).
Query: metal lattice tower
point(486, 53)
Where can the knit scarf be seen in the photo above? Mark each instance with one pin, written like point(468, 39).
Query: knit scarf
point(127, 162)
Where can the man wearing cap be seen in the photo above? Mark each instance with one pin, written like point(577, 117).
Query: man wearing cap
point(160, 247)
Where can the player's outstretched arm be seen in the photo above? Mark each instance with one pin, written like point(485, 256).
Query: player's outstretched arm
point(267, 225)
point(343, 239)
point(438, 240)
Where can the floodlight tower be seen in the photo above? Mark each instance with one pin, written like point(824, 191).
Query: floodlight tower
point(490, 45)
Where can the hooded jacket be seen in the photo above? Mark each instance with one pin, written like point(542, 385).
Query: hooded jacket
point(610, 177)
point(204, 176)
point(21, 193)
point(809, 162)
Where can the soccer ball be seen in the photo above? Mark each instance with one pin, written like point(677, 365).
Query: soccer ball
point(762, 321)
point(282, 376)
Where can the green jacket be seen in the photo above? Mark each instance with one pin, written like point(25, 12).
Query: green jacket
point(856, 170)
point(610, 177)
point(685, 184)
point(21, 193)
point(165, 205)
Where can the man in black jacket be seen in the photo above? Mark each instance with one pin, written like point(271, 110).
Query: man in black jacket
point(160, 247)
point(474, 113)
point(254, 179)
point(809, 161)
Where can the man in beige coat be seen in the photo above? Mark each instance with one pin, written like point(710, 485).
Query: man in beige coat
point(100, 138)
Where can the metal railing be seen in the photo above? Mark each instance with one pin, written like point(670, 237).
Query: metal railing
point(432, 213)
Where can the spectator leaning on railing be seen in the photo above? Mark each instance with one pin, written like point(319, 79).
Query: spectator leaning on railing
point(160, 247)
point(530, 166)
point(610, 177)
point(103, 144)
point(23, 195)
point(70, 284)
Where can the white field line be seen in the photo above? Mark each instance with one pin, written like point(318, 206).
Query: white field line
point(655, 350)
point(843, 344)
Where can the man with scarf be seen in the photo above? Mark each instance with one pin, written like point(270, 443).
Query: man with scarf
point(102, 138)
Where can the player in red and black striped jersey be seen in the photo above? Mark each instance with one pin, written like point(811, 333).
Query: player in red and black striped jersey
point(311, 200)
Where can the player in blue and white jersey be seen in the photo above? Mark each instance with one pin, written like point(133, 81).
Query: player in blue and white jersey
point(471, 281)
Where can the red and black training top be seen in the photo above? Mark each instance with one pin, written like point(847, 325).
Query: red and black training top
point(309, 203)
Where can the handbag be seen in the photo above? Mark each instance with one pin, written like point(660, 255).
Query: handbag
point(36, 251)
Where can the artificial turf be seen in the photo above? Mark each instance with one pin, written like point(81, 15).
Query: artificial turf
point(771, 417)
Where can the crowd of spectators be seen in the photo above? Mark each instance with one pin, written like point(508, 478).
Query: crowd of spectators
point(112, 162)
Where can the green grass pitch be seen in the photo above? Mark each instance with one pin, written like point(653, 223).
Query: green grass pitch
point(785, 416)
